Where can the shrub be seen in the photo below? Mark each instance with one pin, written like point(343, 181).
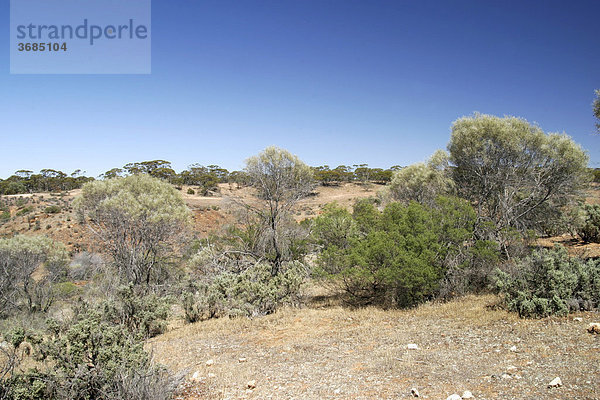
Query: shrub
point(144, 315)
point(397, 257)
point(589, 228)
point(90, 357)
point(549, 282)
point(4, 216)
point(252, 292)
point(20, 257)
point(191, 191)
point(24, 211)
point(52, 209)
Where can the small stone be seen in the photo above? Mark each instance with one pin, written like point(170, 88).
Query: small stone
point(506, 376)
point(414, 392)
point(577, 319)
point(556, 382)
point(412, 346)
point(243, 359)
point(337, 391)
point(467, 395)
point(248, 391)
point(511, 369)
point(196, 376)
point(453, 397)
point(594, 327)
point(211, 375)
point(210, 362)
point(251, 384)
point(513, 349)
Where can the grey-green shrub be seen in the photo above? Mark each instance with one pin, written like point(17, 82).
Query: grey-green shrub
point(549, 282)
point(589, 227)
point(88, 357)
point(251, 292)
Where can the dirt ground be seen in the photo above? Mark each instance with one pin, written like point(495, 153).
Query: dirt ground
point(330, 352)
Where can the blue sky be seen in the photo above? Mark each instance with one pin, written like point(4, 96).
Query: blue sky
point(333, 81)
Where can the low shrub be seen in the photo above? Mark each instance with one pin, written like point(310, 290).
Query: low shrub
point(549, 282)
point(88, 357)
point(191, 191)
point(252, 292)
point(52, 209)
point(589, 227)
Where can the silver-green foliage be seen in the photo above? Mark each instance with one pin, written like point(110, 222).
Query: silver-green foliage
point(589, 226)
point(422, 182)
point(87, 357)
point(137, 219)
point(251, 292)
point(281, 179)
point(20, 257)
point(515, 174)
point(550, 282)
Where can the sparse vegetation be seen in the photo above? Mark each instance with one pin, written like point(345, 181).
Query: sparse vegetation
point(550, 282)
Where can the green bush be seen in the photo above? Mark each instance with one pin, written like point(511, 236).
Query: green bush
point(589, 228)
point(24, 211)
point(549, 282)
point(52, 209)
point(191, 191)
point(397, 257)
point(4, 215)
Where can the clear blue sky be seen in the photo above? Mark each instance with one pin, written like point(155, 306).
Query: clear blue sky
point(333, 81)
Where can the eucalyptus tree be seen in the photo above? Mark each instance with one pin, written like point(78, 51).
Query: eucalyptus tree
point(516, 175)
point(137, 220)
point(280, 179)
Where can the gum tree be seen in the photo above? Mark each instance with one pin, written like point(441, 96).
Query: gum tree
point(281, 179)
point(137, 220)
point(516, 175)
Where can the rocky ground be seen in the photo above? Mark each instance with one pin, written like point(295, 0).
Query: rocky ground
point(329, 352)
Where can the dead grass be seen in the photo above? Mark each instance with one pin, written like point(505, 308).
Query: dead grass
point(337, 353)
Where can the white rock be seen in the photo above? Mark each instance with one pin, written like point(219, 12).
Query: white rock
point(196, 376)
point(467, 395)
point(556, 382)
point(211, 375)
point(210, 362)
point(577, 319)
point(412, 346)
point(251, 384)
point(337, 391)
point(513, 349)
point(243, 359)
point(511, 369)
point(453, 397)
point(506, 376)
point(4, 345)
point(414, 392)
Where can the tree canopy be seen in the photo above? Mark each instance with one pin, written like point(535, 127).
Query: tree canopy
point(136, 218)
point(516, 175)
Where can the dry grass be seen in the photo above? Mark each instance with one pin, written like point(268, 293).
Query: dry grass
point(337, 353)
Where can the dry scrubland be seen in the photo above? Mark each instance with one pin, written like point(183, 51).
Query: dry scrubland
point(326, 351)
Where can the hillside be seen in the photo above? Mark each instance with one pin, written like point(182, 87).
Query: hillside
point(30, 213)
